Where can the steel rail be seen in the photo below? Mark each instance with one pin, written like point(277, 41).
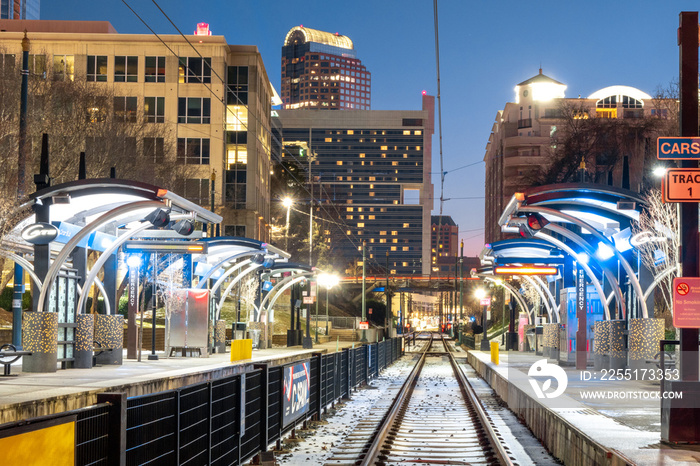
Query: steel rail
point(373, 450)
point(471, 397)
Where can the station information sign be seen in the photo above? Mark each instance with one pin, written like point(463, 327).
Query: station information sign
point(678, 148)
point(686, 302)
point(681, 185)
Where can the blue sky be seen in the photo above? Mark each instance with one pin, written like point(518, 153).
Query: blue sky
point(486, 48)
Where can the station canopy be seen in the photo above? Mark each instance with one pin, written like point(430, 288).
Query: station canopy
point(75, 205)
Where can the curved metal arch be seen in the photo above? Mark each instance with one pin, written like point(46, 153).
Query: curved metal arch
point(100, 286)
point(230, 286)
point(553, 301)
point(591, 275)
point(514, 294)
point(625, 265)
point(106, 255)
point(26, 265)
point(203, 280)
point(292, 280)
point(668, 271)
point(282, 282)
point(52, 273)
point(543, 297)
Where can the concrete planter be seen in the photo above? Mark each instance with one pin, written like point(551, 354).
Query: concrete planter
point(644, 339)
point(601, 345)
point(84, 340)
point(618, 346)
point(109, 333)
point(551, 341)
point(40, 336)
point(220, 336)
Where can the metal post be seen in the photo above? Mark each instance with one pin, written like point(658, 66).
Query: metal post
point(327, 290)
point(461, 291)
point(211, 201)
point(387, 311)
point(688, 41)
point(364, 315)
point(317, 312)
point(21, 154)
point(286, 230)
point(153, 356)
point(17, 307)
point(485, 340)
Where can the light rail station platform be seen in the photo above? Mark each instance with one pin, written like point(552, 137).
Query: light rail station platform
point(579, 427)
point(28, 395)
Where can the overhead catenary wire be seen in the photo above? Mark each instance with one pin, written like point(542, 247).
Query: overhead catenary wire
point(347, 228)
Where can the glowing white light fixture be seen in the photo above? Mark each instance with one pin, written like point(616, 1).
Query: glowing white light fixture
point(604, 252)
point(582, 258)
point(134, 260)
point(659, 171)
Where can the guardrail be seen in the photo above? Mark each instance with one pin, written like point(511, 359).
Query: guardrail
point(224, 421)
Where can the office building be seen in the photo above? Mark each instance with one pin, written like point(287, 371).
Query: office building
point(19, 9)
point(212, 100)
point(371, 171)
point(444, 244)
point(321, 70)
point(528, 134)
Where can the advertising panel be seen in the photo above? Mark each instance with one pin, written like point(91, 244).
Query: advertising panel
point(295, 392)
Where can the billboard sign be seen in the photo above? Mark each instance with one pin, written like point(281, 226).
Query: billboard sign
point(295, 392)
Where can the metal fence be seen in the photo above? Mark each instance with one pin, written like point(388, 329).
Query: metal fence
point(223, 421)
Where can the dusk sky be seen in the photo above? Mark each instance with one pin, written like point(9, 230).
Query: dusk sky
point(486, 48)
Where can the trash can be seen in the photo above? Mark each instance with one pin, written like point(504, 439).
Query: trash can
point(530, 337)
point(254, 335)
point(238, 330)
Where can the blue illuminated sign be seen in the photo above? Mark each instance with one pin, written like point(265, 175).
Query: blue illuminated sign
point(678, 148)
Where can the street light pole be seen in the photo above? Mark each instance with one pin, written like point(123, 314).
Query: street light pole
point(364, 310)
point(287, 202)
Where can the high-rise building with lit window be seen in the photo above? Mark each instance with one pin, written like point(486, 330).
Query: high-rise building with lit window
point(443, 243)
point(371, 178)
point(321, 70)
point(19, 9)
point(209, 105)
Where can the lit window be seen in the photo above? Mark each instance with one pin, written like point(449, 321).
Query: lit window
point(360, 225)
point(393, 248)
point(394, 233)
point(384, 148)
point(126, 69)
point(406, 225)
point(371, 217)
point(382, 233)
point(329, 139)
point(339, 162)
point(405, 248)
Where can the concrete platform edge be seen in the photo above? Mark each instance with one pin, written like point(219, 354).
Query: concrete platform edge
point(563, 440)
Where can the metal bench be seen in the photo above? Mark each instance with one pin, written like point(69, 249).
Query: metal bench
point(10, 352)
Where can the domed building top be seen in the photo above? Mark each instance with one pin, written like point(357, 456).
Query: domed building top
point(301, 34)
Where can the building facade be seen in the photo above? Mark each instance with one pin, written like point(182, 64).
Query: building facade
point(371, 170)
point(212, 99)
point(20, 9)
point(444, 244)
point(527, 133)
point(321, 70)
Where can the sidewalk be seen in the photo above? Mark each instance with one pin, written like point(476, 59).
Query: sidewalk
point(30, 394)
point(621, 426)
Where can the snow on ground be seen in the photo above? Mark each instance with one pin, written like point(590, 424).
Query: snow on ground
point(319, 441)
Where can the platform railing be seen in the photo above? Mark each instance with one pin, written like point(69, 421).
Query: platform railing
point(228, 420)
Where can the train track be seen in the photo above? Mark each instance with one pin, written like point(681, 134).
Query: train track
point(435, 418)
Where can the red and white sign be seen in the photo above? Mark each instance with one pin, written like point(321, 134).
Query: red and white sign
point(486, 301)
point(364, 325)
point(686, 302)
point(308, 299)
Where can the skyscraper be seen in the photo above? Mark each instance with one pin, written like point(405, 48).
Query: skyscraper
point(19, 9)
point(321, 70)
point(371, 174)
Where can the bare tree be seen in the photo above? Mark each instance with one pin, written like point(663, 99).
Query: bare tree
point(659, 250)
